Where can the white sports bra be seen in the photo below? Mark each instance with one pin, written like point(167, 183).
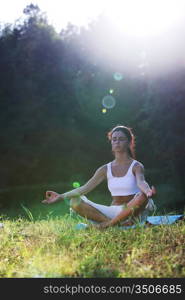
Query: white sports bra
point(122, 186)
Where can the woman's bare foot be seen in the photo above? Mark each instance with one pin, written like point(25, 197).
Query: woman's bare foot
point(127, 223)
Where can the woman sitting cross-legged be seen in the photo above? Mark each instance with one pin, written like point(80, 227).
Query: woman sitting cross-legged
point(131, 194)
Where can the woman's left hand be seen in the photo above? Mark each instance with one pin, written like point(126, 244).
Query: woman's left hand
point(151, 192)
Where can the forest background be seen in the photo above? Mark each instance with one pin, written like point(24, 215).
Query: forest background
point(54, 120)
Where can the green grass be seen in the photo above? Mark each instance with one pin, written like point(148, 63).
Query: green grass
point(41, 241)
point(48, 245)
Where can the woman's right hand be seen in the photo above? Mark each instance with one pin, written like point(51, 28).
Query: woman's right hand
point(52, 197)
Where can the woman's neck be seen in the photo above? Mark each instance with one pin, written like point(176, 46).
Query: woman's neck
point(122, 158)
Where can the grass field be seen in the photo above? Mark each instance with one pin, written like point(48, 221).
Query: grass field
point(50, 246)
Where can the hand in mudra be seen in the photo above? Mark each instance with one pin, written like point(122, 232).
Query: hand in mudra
point(51, 197)
point(152, 192)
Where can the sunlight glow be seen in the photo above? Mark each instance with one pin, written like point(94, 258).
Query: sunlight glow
point(77, 12)
point(145, 17)
point(133, 17)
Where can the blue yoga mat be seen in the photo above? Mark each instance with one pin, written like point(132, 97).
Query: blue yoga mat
point(159, 220)
point(154, 220)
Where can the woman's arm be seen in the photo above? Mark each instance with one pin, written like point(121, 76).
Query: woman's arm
point(97, 178)
point(140, 179)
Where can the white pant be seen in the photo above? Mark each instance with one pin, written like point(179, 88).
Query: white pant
point(113, 210)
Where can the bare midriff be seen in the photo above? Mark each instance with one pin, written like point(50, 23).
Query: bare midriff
point(119, 200)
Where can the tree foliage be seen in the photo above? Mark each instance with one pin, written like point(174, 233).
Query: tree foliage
point(51, 91)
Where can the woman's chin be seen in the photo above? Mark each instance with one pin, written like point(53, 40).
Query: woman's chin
point(118, 150)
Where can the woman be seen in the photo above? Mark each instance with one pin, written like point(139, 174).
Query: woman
point(131, 194)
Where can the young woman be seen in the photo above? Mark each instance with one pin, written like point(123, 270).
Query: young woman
point(131, 194)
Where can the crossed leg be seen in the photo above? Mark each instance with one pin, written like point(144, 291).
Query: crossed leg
point(86, 210)
point(133, 209)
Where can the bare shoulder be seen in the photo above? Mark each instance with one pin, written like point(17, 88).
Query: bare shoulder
point(99, 175)
point(138, 167)
point(102, 171)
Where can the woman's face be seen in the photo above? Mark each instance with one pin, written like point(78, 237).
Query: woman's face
point(119, 142)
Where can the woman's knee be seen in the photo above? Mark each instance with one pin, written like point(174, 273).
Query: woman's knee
point(141, 198)
point(138, 202)
point(75, 202)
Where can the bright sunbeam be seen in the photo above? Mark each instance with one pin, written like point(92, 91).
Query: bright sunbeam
point(133, 17)
point(145, 17)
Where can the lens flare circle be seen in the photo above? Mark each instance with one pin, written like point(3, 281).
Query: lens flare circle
point(67, 201)
point(108, 101)
point(76, 184)
point(118, 76)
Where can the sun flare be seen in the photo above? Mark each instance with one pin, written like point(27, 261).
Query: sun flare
point(145, 17)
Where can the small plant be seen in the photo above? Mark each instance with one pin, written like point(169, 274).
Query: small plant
point(28, 213)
